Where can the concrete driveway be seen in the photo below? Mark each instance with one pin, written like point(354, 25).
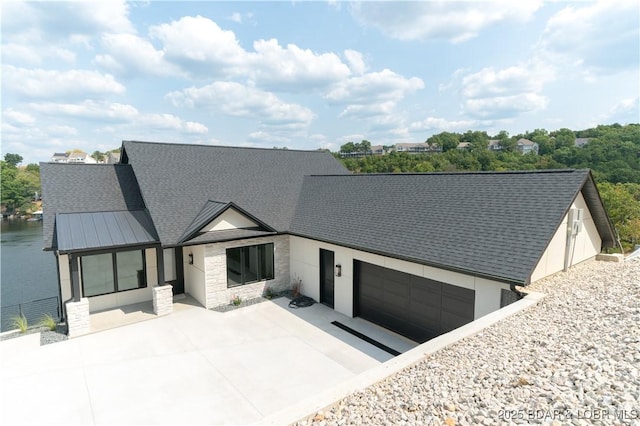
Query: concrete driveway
point(194, 366)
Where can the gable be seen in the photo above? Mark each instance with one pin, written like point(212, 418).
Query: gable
point(176, 180)
point(229, 219)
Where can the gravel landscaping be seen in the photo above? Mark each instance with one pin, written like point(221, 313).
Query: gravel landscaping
point(572, 359)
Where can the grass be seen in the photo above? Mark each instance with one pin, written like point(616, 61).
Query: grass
point(21, 323)
point(48, 321)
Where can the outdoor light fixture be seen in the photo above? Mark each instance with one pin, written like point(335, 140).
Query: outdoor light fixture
point(190, 258)
point(338, 270)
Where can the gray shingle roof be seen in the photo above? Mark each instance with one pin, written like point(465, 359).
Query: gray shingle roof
point(495, 225)
point(177, 180)
point(78, 188)
point(97, 230)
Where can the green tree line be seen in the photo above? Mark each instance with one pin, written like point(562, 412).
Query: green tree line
point(612, 153)
point(19, 185)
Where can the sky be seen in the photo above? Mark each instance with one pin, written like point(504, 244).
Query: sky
point(309, 75)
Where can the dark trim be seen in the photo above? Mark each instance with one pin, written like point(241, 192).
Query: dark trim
point(159, 265)
point(242, 257)
point(114, 271)
point(366, 338)
point(75, 278)
point(224, 240)
point(110, 249)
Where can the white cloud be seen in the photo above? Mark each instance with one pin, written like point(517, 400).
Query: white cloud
point(130, 55)
point(35, 56)
point(375, 93)
point(200, 45)
point(451, 20)
point(505, 106)
point(236, 17)
point(355, 61)
point(57, 130)
point(595, 36)
point(623, 112)
point(442, 124)
point(201, 48)
point(508, 92)
point(17, 117)
point(45, 25)
point(39, 83)
point(88, 109)
point(290, 68)
point(237, 100)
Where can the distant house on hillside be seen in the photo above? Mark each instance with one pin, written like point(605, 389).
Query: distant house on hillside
point(417, 148)
point(77, 157)
point(581, 142)
point(494, 145)
point(113, 158)
point(464, 145)
point(59, 157)
point(526, 146)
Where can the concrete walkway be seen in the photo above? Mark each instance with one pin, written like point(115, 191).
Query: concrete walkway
point(191, 367)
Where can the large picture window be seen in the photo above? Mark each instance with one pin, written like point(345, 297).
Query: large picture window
point(112, 272)
point(249, 264)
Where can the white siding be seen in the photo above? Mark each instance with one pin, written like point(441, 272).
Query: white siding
point(194, 274)
point(230, 219)
point(587, 244)
point(305, 263)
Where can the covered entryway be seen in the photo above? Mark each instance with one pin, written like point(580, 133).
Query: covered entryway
point(414, 306)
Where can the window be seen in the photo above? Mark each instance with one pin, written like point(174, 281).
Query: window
point(249, 264)
point(112, 272)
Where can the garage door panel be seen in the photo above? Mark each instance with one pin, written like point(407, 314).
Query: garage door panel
point(416, 307)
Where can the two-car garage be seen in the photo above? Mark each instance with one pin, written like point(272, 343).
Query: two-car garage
point(416, 307)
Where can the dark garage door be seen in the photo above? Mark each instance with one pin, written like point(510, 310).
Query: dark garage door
point(416, 307)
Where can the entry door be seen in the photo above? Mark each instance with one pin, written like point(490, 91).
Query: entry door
point(326, 277)
point(173, 269)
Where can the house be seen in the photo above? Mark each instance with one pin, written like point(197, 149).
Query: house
point(464, 146)
point(581, 142)
point(112, 158)
point(420, 254)
point(417, 148)
point(59, 157)
point(76, 157)
point(526, 146)
point(494, 145)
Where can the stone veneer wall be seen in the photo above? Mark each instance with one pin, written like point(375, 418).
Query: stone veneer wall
point(163, 299)
point(215, 266)
point(78, 318)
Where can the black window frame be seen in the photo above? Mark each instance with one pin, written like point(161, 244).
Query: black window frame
point(114, 271)
point(260, 269)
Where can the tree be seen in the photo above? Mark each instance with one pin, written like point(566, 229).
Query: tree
point(98, 156)
point(623, 209)
point(348, 147)
point(13, 159)
point(446, 140)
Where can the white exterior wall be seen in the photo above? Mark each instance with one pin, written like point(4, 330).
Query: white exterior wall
point(305, 264)
point(215, 271)
point(194, 274)
point(230, 219)
point(587, 244)
point(66, 291)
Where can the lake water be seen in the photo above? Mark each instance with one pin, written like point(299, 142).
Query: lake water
point(27, 272)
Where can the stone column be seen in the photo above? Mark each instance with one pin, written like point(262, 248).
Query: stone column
point(163, 299)
point(78, 317)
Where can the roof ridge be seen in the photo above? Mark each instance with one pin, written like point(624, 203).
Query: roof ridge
point(225, 146)
point(470, 172)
